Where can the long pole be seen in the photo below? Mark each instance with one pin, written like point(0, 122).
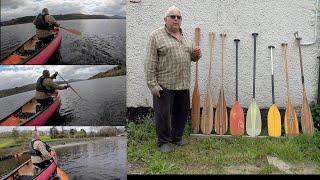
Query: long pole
point(69, 85)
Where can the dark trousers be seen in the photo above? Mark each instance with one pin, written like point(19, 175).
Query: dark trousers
point(171, 114)
point(45, 102)
point(43, 164)
point(46, 40)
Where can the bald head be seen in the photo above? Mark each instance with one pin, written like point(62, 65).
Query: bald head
point(172, 10)
point(35, 135)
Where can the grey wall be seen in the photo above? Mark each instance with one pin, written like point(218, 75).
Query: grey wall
point(274, 20)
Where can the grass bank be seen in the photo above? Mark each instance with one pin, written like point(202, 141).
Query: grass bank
point(226, 155)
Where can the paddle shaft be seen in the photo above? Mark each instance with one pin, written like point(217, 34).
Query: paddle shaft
point(237, 43)
point(272, 77)
point(285, 48)
point(69, 85)
point(300, 55)
point(254, 62)
point(318, 100)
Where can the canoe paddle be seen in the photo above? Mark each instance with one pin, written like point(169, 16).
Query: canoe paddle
point(207, 112)
point(195, 110)
point(274, 117)
point(70, 86)
point(71, 30)
point(253, 119)
point(306, 117)
point(221, 118)
point(291, 126)
point(236, 113)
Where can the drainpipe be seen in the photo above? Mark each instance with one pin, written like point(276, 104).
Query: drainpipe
point(315, 26)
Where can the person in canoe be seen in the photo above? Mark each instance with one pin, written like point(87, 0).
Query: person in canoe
point(39, 151)
point(45, 23)
point(45, 87)
point(167, 67)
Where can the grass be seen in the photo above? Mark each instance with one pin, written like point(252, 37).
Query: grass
point(216, 155)
point(12, 142)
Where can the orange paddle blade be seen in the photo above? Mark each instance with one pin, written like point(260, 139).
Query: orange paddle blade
point(236, 119)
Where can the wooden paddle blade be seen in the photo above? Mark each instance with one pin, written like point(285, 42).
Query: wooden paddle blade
point(290, 120)
point(207, 115)
point(274, 121)
point(221, 118)
point(74, 31)
point(236, 119)
point(253, 120)
point(195, 110)
point(306, 117)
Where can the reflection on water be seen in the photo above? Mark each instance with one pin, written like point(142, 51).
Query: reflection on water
point(103, 103)
point(102, 41)
point(104, 159)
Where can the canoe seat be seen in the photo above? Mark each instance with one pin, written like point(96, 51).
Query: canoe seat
point(30, 107)
point(31, 44)
point(11, 121)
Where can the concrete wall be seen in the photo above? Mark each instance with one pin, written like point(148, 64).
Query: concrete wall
point(274, 20)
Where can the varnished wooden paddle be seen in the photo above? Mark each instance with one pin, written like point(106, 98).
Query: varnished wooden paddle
point(253, 119)
point(274, 117)
point(236, 113)
point(306, 117)
point(207, 111)
point(195, 110)
point(291, 126)
point(72, 30)
point(221, 118)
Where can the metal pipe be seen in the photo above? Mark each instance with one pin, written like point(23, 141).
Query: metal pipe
point(315, 26)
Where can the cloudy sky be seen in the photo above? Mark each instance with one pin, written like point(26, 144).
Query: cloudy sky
point(11, 9)
point(16, 76)
point(46, 128)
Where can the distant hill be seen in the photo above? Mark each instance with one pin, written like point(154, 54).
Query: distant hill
point(116, 71)
point(29, 19)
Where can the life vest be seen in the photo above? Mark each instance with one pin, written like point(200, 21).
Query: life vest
point(34, 152)
point(41, 23)
point(42, 88)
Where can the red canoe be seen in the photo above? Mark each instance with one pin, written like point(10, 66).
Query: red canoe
point(28, 54)
point(27, 115)
point(27, 171)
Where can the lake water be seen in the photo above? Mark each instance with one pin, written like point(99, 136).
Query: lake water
point(103, 103)
point(99, 160)
point(103, 41)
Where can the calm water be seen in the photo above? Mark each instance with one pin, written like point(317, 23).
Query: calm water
point(103, 41)
point(103, 103)
point(103, 159)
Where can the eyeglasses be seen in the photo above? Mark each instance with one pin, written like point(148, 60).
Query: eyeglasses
point(175, 17)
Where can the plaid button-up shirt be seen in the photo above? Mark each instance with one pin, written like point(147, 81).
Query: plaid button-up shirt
point(168, 61)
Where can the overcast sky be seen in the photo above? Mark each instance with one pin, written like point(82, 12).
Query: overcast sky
point(11, 9)
point(16, 76)
point(46, 128)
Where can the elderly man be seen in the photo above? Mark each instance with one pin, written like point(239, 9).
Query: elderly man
point(44, 24)
point(168, 69)
point(39, 151)
point(45, 87)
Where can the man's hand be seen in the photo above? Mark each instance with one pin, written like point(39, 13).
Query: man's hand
point(197, 52)
point(66, 86)
point(156, 92)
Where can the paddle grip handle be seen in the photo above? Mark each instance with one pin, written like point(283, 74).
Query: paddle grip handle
point(254, 62)
point(237, 43)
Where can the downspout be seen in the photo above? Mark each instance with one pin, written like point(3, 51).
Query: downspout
point(315, 26)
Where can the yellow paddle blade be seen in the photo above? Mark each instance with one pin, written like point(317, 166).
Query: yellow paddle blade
point(253, 120)
point(274, 121)
point(62, 175)
point(291, 121)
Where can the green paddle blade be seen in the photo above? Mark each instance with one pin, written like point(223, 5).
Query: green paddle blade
point(253, 120)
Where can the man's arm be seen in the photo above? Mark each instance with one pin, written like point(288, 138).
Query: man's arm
point(51, 20)
point(40, 146)
point(151, 63)
point(49, 82)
